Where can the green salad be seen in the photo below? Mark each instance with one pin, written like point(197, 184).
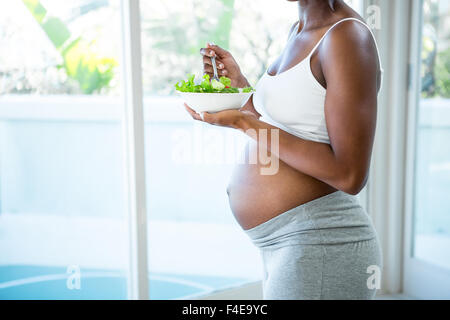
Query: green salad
point(208, 86)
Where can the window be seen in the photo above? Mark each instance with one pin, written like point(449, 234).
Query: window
point(432, 170)
point(75, 50)
point(62, 210)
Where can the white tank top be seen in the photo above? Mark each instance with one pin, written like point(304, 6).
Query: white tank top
point(294, 100)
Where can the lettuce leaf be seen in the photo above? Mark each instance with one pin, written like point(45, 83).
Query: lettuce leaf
point(225, 81)
point(208, 86)
point(219, 86)
point(186, 86)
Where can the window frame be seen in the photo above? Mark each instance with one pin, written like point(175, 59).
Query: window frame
point(421, 279)
point(134, 144)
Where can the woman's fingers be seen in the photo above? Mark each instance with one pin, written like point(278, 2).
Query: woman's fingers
point(213, 50)
point(217, 50)
point(193, 114)
point(208, 118)
point(207, 61)
point(205, 52)
point(207, 66)
point(204, 116)
point(209, 69)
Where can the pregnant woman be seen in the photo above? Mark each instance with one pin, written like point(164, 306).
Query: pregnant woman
point(319, 100)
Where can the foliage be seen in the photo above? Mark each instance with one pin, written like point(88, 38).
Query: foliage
point(435, 72)
point(174, 42)
point(435, 59)
point(81, 61)
point(172, 36)
point(443, 74)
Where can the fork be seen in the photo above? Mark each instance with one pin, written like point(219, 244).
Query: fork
point(216, 75)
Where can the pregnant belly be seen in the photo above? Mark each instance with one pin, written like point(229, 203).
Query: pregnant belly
point(256, 197)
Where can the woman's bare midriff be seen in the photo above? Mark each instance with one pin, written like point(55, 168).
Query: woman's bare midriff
point(256, 198)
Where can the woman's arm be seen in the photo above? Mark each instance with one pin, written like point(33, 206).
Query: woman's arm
point(350, 66)
point(250, 107)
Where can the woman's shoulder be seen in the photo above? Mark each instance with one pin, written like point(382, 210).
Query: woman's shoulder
point(350, 40)
point(350, 34)
point(349, 30)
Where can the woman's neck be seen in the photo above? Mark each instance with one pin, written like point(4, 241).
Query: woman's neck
point(315, 13)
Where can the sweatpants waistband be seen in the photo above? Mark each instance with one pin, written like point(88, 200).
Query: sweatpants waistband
point(336, 218)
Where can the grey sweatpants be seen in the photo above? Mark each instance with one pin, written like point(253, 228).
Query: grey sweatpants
point(325, 249)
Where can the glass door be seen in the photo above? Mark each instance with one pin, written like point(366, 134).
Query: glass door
point(427, 258)
point(63, 214)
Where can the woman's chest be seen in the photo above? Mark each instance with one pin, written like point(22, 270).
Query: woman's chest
point(290, 97)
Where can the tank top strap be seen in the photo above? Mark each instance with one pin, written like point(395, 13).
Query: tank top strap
point(339, 22)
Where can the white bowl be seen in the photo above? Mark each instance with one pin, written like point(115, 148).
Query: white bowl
point(215, 102)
